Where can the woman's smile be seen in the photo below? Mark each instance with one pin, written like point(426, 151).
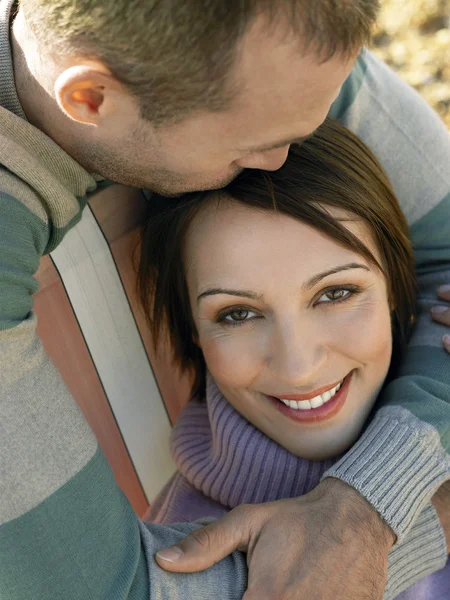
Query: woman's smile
point(312, 399)
point(314, 408)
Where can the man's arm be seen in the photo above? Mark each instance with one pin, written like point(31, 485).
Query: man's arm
point(403, 457)
point(66, 529)
point(332, 545)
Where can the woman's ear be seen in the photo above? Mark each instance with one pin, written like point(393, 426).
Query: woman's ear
point(195, 338)
point(392, 303)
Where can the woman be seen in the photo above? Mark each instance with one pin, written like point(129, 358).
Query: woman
point(289, 297)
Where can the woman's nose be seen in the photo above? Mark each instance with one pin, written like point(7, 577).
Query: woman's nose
point(269, 160)
point(296, 358)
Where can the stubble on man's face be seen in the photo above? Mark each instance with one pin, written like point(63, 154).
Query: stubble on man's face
point(121, 167)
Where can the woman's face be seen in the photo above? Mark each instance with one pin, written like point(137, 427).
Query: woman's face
point(294, 328)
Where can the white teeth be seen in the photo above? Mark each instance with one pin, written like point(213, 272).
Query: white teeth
point(304, 404)
point(314, 402)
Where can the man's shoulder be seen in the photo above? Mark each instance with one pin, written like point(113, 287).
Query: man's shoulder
point(20, 194)
point(39, 179)
point(405, 134)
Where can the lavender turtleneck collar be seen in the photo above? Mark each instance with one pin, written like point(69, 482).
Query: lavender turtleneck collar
point(226, 458)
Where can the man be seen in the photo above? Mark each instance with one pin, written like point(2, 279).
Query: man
point(178, 96)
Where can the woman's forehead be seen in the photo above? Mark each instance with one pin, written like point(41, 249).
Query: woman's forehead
point(224, 218)
point(233, 238)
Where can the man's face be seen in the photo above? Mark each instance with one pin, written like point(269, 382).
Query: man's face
point(283, 96)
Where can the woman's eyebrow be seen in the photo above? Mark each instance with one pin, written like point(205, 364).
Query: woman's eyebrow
point(316, 278)
point(229, 292)
point(306, 286)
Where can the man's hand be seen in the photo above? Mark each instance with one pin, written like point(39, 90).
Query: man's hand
point(441, 313)
point(329, 544)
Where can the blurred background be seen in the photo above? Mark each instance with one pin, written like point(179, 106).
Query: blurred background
point(413, 37)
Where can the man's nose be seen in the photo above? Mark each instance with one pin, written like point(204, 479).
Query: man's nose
point(269, 160)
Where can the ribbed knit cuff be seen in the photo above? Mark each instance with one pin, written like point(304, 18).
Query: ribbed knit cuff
point(397, 465)
point(423, 552)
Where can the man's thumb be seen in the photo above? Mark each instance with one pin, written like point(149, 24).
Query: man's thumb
point(207, 545)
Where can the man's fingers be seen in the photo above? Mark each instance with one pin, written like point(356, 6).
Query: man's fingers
point(444, 292)
point(441, 314)
point(206, 546)
point(446, 342)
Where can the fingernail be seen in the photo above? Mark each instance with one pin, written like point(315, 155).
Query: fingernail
point(444, 288)
point(170, 554)
point(446, 339)
point(439, 310)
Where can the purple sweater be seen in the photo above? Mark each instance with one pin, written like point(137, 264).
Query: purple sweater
point(224, 461)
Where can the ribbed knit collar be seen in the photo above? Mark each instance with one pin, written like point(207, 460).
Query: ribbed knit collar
point(8, 93)
point(226, 458)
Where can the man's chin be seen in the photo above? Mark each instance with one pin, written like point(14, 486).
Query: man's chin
point(178, 189)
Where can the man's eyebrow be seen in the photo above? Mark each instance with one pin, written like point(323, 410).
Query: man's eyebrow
point(315, 280)
point(229, 292)
point(281, 144)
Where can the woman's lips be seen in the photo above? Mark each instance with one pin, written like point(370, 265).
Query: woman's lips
point(311, 395)
point(328, 410)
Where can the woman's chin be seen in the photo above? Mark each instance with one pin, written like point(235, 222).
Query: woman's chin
point(328, 449)
point(321, 454)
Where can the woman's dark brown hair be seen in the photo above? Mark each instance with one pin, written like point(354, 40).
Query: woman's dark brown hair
point(333, 168)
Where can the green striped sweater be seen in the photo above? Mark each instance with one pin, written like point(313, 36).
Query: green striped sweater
point(67, 532)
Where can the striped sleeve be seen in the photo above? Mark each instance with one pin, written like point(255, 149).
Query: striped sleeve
point(66, 529)
point(403, 457)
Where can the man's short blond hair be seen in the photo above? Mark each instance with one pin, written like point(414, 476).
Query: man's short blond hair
point(175, 55)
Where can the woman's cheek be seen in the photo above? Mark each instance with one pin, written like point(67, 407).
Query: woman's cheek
point(364, 332)
point(233, 360)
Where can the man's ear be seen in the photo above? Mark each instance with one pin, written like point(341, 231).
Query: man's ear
point(81, 92)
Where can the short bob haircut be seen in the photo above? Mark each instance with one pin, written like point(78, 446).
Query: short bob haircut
point(333, 168)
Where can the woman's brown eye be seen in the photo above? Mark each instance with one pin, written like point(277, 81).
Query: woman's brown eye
point(336, 294)
point(238, 315)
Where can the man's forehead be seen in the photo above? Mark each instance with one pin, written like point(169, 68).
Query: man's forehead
point(283, 101)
